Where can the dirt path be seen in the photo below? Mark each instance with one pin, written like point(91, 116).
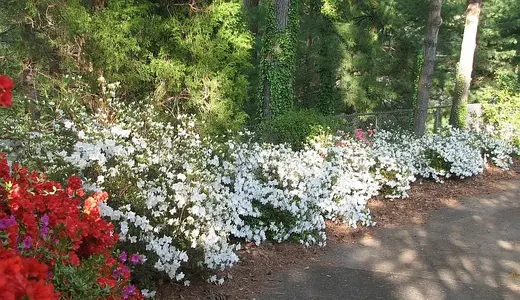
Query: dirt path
point(343, 270)
point(469, 252)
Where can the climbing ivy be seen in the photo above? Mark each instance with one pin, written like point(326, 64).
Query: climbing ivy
point(459, 108)
point(278, 57)
point(417, 76)
point(328, 46)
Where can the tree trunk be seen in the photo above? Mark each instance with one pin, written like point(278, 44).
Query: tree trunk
point(465, 68)
point(251, 10)
point(278, 56)
point(425, 79)
point(282, 14)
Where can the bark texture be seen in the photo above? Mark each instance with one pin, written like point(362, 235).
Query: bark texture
point(465, 68)
point(425, 79)
point(282, 14)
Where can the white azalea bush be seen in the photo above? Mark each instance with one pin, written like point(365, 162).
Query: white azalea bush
point(397, 157)
point(189, 202)
point(454, 152)
point(394, 178)
point(495, 151)
point(467, 153)
point(278, 191)
point(173, 196)
point(348, 181)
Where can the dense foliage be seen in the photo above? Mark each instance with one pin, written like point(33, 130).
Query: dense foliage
point(189, 202)
point(296, 127)
point(502, 112)
point(54, 241)
point(217, 123)
point(213, 58)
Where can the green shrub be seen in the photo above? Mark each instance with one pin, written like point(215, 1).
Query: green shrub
point(437, 162)
point(501, 106)
point(295, 127)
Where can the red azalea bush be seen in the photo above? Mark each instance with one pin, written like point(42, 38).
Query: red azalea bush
point(6, 96)
point(53, 242)
point(20, 276)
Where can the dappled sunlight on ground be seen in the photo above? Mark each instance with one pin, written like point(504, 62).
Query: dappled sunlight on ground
point(442, 243)
point(471, 252)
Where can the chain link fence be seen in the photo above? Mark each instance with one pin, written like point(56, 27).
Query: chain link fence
point(437, 117)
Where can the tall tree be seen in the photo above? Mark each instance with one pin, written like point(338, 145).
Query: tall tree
point(425, 79)
point(465, 67)
point(278, 56)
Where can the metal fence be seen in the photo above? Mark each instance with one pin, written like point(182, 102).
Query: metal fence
point(437, 117)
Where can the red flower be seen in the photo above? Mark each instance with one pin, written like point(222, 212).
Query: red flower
point(74, 231)
point(107, 282)
point(41, 291)
point(75, 182)
point(4, 168)
point(24, 277)
point(74, 259)
point(35, 269)
point(74, 186)
point(6, 85)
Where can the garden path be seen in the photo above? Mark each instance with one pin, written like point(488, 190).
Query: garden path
point(469, 252)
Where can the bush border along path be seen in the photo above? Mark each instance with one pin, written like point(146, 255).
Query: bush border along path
point(260, 266)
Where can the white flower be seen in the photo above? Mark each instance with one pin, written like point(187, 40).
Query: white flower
point(68, 124)
point(181, 177)
point(147, 293)
point(179, 276)
point(246, 191)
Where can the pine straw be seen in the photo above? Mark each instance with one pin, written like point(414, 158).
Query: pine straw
point(259, 265)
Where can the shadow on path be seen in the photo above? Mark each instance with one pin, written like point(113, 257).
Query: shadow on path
point(469, 252)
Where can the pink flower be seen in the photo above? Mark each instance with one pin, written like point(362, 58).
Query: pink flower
point(128, 291)
point(7, 222)
point(360, 135)
point(123, 257)
point(27, 242)
point(136, 259)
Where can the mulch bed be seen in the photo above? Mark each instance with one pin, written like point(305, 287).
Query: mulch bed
point(259, 265)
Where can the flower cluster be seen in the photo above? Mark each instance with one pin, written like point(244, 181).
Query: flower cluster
point(188, 201)
point(495, 151)
point(185, 195)
point(453, 152)
point(363, 136)
point(24, 277)
point(348, 181)
point(6, 86)
point(46, 227)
